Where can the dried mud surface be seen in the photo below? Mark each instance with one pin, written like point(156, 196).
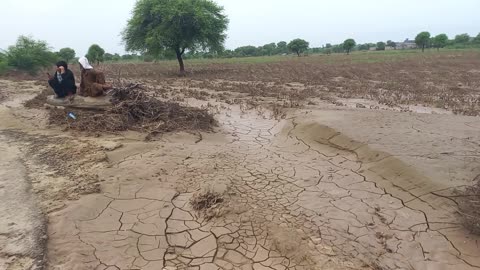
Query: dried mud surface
point(304, 184)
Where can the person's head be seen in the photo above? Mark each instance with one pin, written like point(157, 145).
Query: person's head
point(62, 64)
point(84, 64)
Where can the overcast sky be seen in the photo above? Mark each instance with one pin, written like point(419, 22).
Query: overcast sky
point(80, 23)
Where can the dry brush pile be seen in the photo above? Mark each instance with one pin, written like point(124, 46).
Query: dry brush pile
point(133, 109)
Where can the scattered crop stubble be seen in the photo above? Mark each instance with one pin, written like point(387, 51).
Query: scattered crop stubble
point(449, 80)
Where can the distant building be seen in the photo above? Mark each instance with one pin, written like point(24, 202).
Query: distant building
point(407, 44)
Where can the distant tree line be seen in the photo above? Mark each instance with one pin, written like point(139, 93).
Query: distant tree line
point(32, 55)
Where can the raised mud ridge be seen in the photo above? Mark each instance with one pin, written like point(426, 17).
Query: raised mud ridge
point(435, 201)
point(297, 195)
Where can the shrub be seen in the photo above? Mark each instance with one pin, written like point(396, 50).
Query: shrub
point(3, 63)
point(29, 55)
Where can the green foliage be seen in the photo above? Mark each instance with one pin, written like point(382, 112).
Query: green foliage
point(349, 44)
point(298, 46)
point(422, 40)
point(175, 25)
point(440, 41)
point(363, 47)
point(391, 44)
point(476, 40)
point(116, 57)
point(3, 63)
point(462, 39)
point(246, 51)
point(108, 57)
point(328, 45)
point(66, 54)
point(282, 47)
point(269, 49)
point(381, 46)
point(29, 55)
point(95, 54)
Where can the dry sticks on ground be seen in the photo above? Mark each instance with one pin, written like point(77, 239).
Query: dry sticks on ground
point(469, 207)
point(134, 109)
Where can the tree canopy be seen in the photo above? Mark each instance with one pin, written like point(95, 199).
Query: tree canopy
point(476, 40)
point(349, 44)
point(392, 44)
point(29, 55)
point(422, 40)
point(381, 46)
point(462, 39)
point(282, 47)
point(95, 53)
point(3, 63)
point(298, 46)
point(175, 25)
point(66, 54)
point(440, 41)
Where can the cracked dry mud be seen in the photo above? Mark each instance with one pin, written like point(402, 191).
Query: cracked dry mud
point(298, 195)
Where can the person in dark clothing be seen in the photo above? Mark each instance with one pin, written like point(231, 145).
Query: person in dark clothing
point(63, 82)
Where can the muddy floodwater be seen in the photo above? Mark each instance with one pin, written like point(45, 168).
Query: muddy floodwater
point(320, 188)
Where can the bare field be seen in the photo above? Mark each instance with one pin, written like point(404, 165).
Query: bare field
point(448, 80)
point(322, 162)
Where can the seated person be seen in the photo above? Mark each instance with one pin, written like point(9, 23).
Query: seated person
point(63, 82)
point(93, 82)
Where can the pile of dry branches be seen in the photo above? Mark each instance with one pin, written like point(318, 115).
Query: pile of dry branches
point(469, 207)
point(133, 109)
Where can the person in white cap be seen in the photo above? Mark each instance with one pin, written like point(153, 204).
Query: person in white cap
point(92, 82)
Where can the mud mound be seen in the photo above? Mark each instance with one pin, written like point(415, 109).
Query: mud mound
point(211, 201)
point(469, 207)
point(206, 200)
point(39, 100)
point(292, 244)
point(133, 109)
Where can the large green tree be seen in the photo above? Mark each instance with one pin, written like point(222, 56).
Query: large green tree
point(269, 49)
point(476, 40)
point(246, 51)
point(422, 40)
point(462, 39)
point(298, 46)
point(440, 41)
point(175, 25)
point(3, 63)
point(66, 54)
point(282, 47)
point(95, 54)
point(29, 55)
point(381, 46)
point(349, 44)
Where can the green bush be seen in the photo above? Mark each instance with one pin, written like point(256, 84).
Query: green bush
point(3, 64)
point(30, 55)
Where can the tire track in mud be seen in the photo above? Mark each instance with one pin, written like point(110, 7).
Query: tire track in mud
point(297, 196)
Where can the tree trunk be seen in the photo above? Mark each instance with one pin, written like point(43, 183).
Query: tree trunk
point(180, 61)
point(348, 52)
point(298, 53)
point(423, 48)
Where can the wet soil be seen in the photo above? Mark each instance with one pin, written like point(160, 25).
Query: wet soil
point(325, 187)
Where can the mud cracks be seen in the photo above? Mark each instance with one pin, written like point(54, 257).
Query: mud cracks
point(296, 195)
